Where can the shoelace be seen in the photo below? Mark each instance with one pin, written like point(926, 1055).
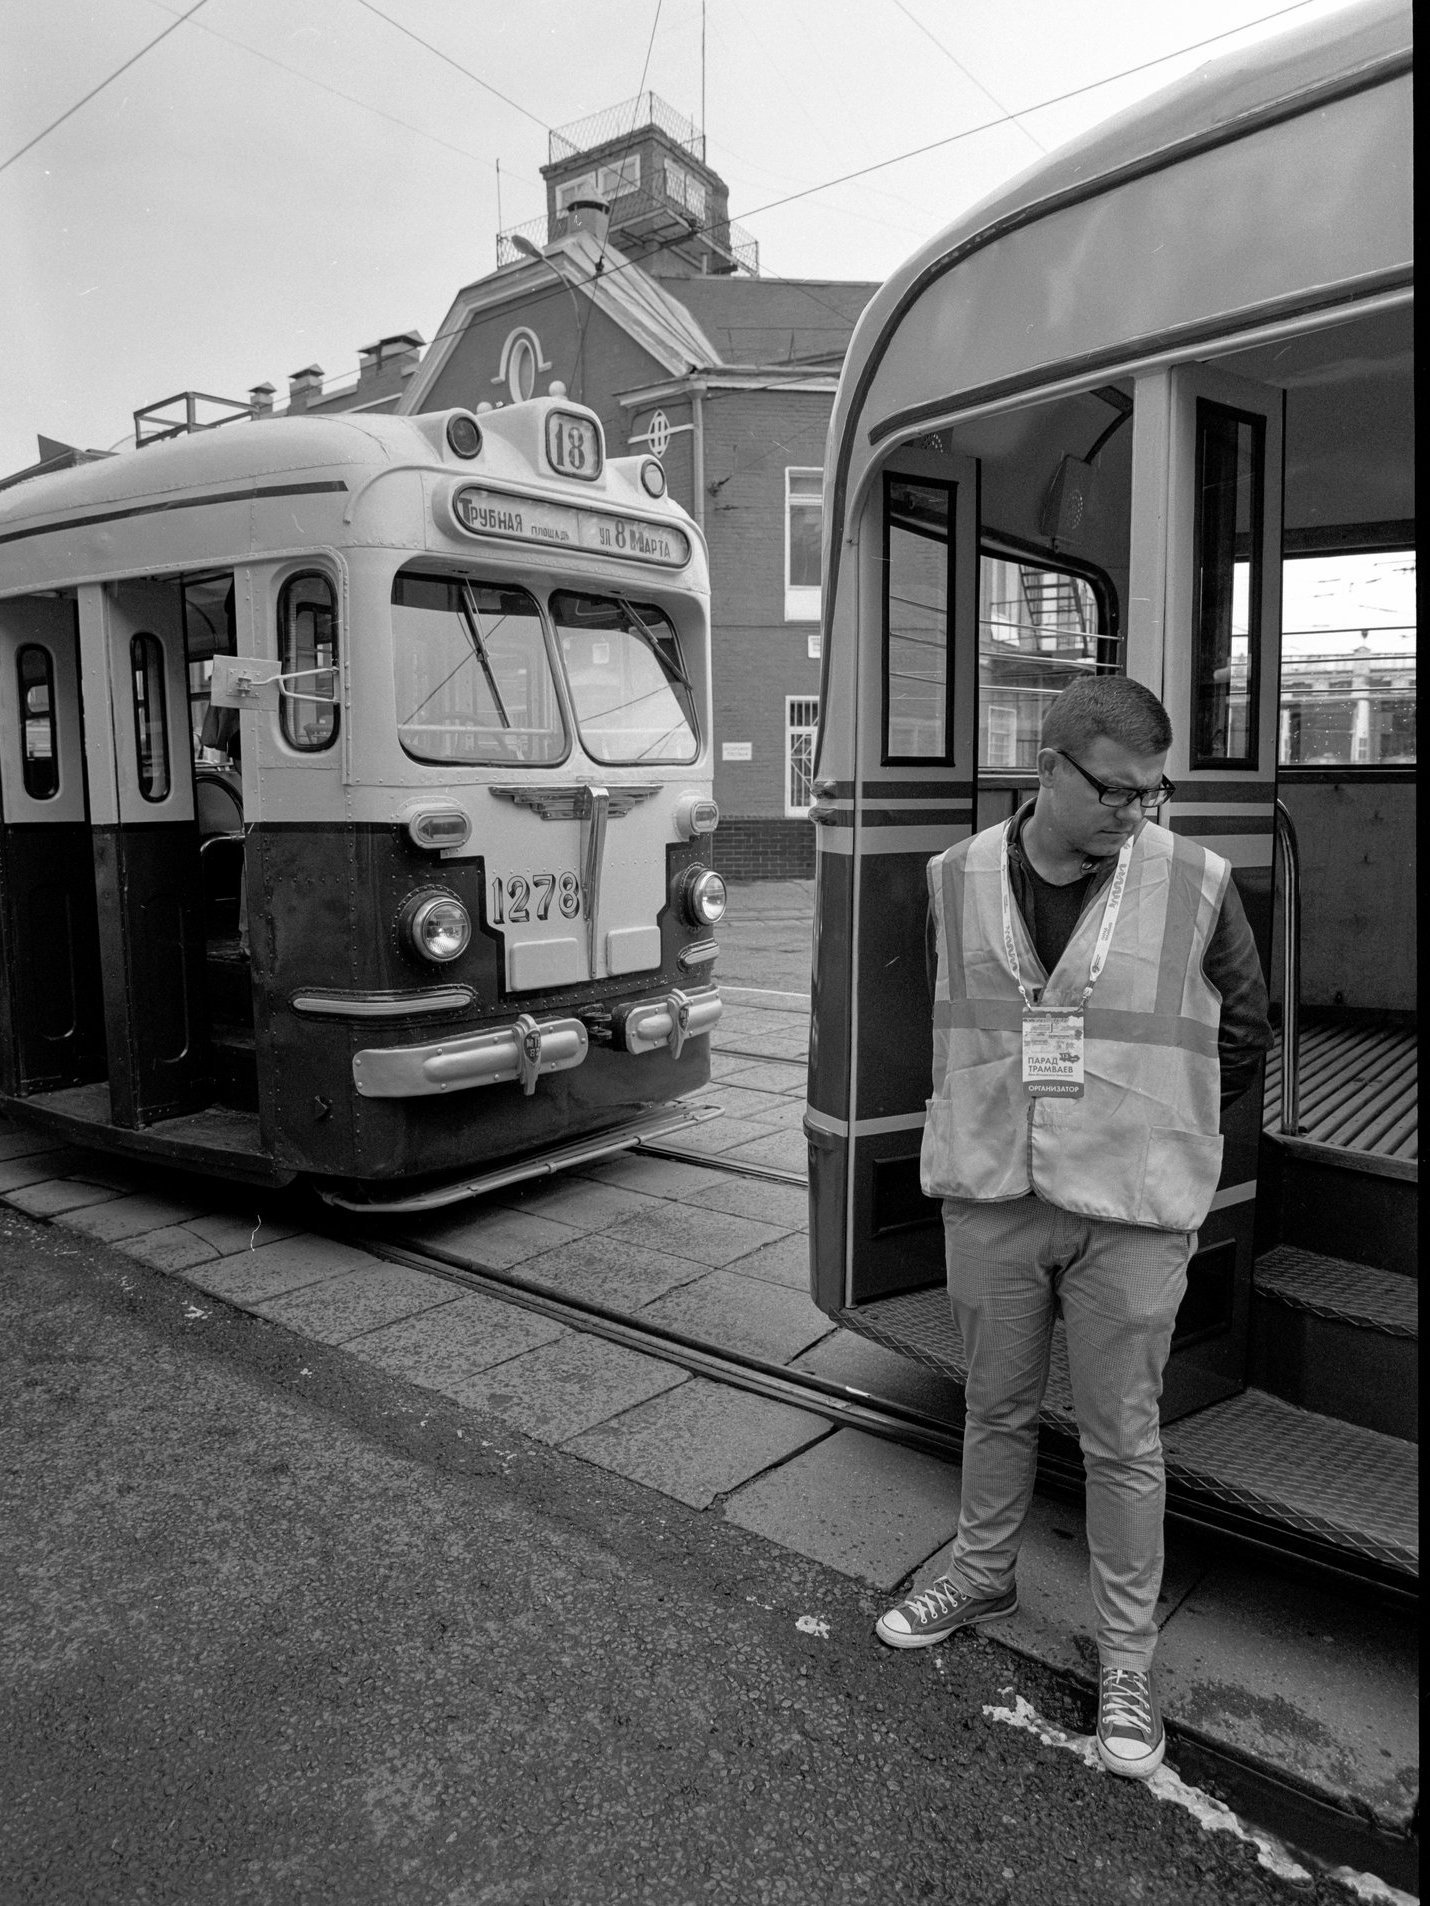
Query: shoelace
point(1126, 1702)
point(940, 1598)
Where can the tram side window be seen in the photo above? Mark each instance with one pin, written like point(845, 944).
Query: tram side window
point(1348, 660)
point(308, 649)
point(1226, 614)
point(633, 699)
point(39, 754)
point(151, 716)
point(474, 676)
point(918, 589)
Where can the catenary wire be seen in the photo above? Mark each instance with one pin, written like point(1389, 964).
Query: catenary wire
point(108, 80)
point(437, 53)
point(929, 34)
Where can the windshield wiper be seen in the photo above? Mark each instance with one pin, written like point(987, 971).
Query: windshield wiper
point(670, 662)
point(479, 648)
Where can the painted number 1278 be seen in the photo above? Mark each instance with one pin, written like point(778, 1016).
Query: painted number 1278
point(520, 898)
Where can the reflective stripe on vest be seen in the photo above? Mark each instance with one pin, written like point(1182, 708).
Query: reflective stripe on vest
point(1141, 1146)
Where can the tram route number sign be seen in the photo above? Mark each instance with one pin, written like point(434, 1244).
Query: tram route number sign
point(518, 899)
point(523, 519)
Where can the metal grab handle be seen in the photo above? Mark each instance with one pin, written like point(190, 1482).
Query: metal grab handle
point(1290, 970)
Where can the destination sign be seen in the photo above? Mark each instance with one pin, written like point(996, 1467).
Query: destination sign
point(526, 519)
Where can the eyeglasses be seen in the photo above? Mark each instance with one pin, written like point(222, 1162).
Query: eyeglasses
point(1124, 797)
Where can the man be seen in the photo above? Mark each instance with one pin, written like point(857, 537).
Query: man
point(1098, 1003)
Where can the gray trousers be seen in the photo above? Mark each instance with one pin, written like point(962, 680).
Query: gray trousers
point(1010, 1265)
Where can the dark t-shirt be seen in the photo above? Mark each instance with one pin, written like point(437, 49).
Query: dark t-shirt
point(1056, 912)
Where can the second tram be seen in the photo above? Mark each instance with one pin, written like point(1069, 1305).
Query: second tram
point(1113, 420)
point(355, 803)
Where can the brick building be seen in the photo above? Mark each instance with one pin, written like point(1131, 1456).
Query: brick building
point(641, 297)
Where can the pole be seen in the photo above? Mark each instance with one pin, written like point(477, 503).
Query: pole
point(499, 216)
point(703, 153)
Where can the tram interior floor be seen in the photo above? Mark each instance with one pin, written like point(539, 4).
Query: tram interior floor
point(1306, 1683)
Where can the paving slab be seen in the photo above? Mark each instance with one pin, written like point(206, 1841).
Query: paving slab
point(855, 1502)
point(741, 1313)
point(1302, 1677)
point(566, 1387)
point(845, 1357)
point(723, 1065)
point(699, 1441)
point(231, 1231)
point(717, 1135)
point(52, 1197)
point(175, 1248)
point(785, 1262)
point(748, 1197)
point(247, 1278)
point(775, 1151)
point(763, 1075)
point(493, 1236)
point(131, 1216)
point(578, 1203)
point(32, 1168)
point(602, 1270)
point(661, 1177)
point(737, 1101)
point(440, 1349)
point(709, 1237)
point(346, 1306)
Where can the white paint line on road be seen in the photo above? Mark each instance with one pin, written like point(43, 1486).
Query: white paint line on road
point(1165, 1784)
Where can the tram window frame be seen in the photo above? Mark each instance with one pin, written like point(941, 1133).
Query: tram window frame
point(1108, 658)
point(33, 783)
point(672, 668)
point(555, 675)
point(290, 663)
point(944, 757)
point(1208, 713)
point(148, 666)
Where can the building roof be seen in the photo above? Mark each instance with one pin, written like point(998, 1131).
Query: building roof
point(771, 321)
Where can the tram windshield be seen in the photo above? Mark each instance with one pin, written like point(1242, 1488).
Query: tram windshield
point(474, 676)
point(633, 698)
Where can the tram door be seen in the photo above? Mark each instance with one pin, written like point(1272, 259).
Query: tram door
point(1204, 633)
point(146, 850)
point(51, 1011)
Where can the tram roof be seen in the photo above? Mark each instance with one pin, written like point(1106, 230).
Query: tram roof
point(1214, 105)
point(234, 452)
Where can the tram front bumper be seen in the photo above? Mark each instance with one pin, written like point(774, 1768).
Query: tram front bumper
point(530, 1047)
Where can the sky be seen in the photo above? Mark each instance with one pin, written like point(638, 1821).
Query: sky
point(279, 182)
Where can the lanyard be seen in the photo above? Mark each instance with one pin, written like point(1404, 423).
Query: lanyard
point(1110, 912)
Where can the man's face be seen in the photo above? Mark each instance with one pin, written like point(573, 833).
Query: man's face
point(1068, 805)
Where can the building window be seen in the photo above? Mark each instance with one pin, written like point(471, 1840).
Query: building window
point(521, 359)
point(804, 521)
point(1001, 750)
point(610, 182)
point(151, 716)
point(39, 754)
point(801, 728)
point(308, 654)
point(684, 189)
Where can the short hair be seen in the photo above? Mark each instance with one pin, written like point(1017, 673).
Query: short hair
point(1111, 705)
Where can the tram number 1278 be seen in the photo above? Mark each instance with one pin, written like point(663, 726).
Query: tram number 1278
point(515, 897)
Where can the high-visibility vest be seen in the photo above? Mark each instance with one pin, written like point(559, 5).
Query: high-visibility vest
point(1141, 1146)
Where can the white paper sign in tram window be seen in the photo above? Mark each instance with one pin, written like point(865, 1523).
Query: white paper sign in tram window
point(737, 751)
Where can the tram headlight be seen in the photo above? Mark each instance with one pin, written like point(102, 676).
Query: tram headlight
point(435, 926)
point(705, 898)
point(464, 434)
point(653, 477)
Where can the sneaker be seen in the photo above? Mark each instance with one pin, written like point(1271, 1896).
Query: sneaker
point(938, 1611)
point(1130, 1739)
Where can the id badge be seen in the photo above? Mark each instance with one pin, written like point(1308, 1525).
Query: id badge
point(1052, 1053)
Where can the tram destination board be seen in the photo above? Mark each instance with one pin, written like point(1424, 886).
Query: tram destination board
point(527, 520)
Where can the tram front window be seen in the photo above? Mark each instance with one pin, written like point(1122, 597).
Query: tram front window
point(633, 699)
point(473, 673)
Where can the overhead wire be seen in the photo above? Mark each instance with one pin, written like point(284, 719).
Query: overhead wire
point(437, 53)
point(108, 80)
point(948, 54)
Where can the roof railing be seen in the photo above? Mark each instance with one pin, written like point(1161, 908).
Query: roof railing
point(620, 122)
point(152, 426)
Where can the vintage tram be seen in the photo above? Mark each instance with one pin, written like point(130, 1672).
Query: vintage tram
point(1110, 420)
point(355, 801)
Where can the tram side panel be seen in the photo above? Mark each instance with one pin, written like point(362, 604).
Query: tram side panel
point(51, 1004)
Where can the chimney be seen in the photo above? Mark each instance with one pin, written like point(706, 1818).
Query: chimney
point(305, 387)
point(260, 399)
point(398, 354)
point(589, 215)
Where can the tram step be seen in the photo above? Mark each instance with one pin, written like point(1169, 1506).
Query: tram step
point(1297, 1477)
point(1338, 1338)
point(233, 1069)
point(1354, 1205)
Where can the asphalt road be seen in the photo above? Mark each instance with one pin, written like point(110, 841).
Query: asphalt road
point(279, 1628)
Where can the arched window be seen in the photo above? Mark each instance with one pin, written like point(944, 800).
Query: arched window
point(39, 756)
point(522, 359)
point(151, 716)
